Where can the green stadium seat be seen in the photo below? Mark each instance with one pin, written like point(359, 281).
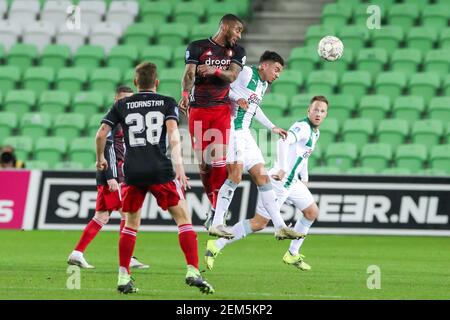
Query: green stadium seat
point(88, 56)
point(94, 123)
point(68, 165)
point(274, 105)
point(421, 38)
point(317, 32)
point(22, 145)
point(314, 159)
point(172, 34)
point(35, 125)
point(8, 122)
point(424, 84)
point(326, 170)
point(376, 156)
point(435, 16)
point(340, 66)
point(409, 108)
point(122, 57)
point(53, 101)
point(355, 83)
point(139, 35)
point(358, 131)
point(341, 155)
point(202, 31)
point(105, 80)
point(128, 78)
point(361, 171)
point(159, 55)
point(374, 107)
point(170, 82)
point(446, 85)
point(9, 77)
point(82, 150)
point(421, 4)
point(392, 132)
point(434, 172)
point(437, 61)
point(440, 109)
point(50, 149)
point(390, 84)
point(19, 101)
point(179, 55)
point(37, 165)
point(22, 55)
point(2, 50)
point(321, 82)
point(411, 156)
point(55, 56)
point(354, 37)
point(403, 15)
point(447, 133)
point(336, 14)
point(156, 13)
point(444, 38)
point(427, 132)
point(38, 79)
point(288, 84)
point(360, 14)
point(189, 13)
point(342, 107)
point(69, 125)
point(372, 60)
point(299, 103)
point(304, 59)
point(396, 171)
point(406, 60)
point(88, 102)
point(242, 6)
point(384, 3)
point(216, 10)
point(71, 79)
point(388, 37)
point(440, 158)
point(284, 122)
point(329, 130)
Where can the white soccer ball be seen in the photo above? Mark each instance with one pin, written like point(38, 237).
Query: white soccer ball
point(330, 48)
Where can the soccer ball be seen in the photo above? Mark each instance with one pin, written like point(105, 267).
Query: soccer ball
point(330, 48)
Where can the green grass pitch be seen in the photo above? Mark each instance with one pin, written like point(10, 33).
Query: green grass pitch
point(33, 266)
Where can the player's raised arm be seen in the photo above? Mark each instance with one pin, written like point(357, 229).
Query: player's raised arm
point(100, 142)
point(175, 145)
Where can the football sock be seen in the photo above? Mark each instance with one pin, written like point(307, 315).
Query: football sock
point(89, 233)
point(218, 176)
point(270, 202)
point(302, 225)
point(240, 230)
point(225, 196)
point(127, 242)
point(122, 224)
point(188, 243)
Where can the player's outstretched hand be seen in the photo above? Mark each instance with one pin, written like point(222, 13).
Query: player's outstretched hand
point(101, 164)
point(113, 185)
point(184, 105)
point(279, 175)
point(243, 103)
point(281, 132)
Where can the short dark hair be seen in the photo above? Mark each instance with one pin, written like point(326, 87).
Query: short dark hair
point(271, 56)
point(145, 74)
point(123, 89)
point(230, 18)
point(319, 98)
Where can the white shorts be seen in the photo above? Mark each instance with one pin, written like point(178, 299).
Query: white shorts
point(243, 149)
point(297, 193)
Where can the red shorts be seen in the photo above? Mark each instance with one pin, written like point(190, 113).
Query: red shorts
point(209, 125)
point(109, 201)
point(167, 195)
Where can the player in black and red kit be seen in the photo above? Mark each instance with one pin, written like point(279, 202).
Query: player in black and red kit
point(211, 66)
point(109, 193)
point(147, 118)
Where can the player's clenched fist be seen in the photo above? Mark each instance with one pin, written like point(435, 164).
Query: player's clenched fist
point(101, 164)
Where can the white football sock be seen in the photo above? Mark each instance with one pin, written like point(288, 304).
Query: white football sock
point(270, 202)
point(240, 230)
point(302, 225)
point(224, 198)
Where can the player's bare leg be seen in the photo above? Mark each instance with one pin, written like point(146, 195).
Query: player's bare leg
point(187, 238)
point(293, 256)
point(271, 203)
